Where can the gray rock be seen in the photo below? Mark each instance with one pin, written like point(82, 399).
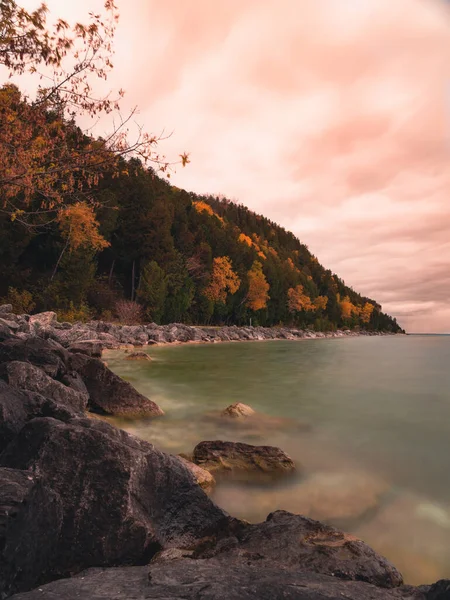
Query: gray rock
point(46, 354)
point(6, 309)
point(44, 319)
point(89, 347)
point(28, 377)
point(139, 356)
point(110, 394)
point(122, 499)
point(30, 522)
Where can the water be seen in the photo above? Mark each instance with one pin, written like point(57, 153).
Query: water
point(367, 421)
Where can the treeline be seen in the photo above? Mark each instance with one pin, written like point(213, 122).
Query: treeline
point(167, 255)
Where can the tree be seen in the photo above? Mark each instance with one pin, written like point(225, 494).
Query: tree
point(366, 312)
point(298, 300)
point(46, 161)
point(224, 280)
point(152, 291)
point(258, 288)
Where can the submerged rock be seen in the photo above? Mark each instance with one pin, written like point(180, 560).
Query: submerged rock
point(238, 410)
point(238, 459)
point(138, 356)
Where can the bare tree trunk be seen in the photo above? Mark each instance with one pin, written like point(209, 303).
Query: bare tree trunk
point(132, 281)
point(111, 272)
point(60, 257)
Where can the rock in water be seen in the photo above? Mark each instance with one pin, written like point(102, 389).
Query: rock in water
point(110, 394)
point(122, 499)
point(238, 410)
point(238, 459)
point(138, 356)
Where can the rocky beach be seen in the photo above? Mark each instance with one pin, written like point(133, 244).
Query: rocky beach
point(90, 511)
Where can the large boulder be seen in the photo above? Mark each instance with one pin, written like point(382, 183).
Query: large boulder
point(110, 394)
point(122, 499)
point(46, 354)
point(189, 579)
point(89, 347)
point(30, 522)
point(25, 376)
point(6, 309)
point(43, 320)
point(17, 407)
point(242, 460)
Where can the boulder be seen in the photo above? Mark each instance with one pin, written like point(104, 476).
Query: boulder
point(238, 410)
point(43, 319)
point(89, 347)
point(17, 407)
point(122, 499)
point(30, 522)
point(5, 333)
point(203, 477)
point(6, 309)
point(139, 356)
point(241, 460)
point(108, 393)
point(25, 376)
point(46, 354)
point(189, 579)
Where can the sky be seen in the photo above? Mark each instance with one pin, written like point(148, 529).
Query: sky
point(331, 117)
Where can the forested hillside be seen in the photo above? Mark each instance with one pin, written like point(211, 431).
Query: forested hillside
point(177, 256)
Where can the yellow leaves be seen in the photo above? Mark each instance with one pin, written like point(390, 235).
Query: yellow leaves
point(321, 302)
point(224, 280)
point(291, 265)
point(347, 308)
point(366, 312)
point(245, 240)
point(298, 300)
point(201, 207)
point(258, 288)
point(78, 225)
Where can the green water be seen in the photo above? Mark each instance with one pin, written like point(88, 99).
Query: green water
point(367, 421)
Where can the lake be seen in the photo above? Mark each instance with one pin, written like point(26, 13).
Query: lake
point(366, 419)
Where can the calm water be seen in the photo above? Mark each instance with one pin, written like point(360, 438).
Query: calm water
point(367, 421)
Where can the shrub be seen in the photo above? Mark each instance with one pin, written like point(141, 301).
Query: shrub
point(22, 302)
point(72, 314)
point(129, 312)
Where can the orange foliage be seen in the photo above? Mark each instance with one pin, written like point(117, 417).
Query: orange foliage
point(245, 240)
point(258, 288)
point(347, 308)
point(204, 207)
point(224, 280)
point(80, 228)
point(298, 300)
point(321, 302)
point(366, 312)
point(262, 255)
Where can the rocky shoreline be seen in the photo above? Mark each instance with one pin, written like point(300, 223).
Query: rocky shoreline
point(112, 335)
point(90, 511)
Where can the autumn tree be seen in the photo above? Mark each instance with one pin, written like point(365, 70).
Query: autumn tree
point(298, 300)
point(258, 288)
point(366, 312)
point(224, 280)
point(46, 161)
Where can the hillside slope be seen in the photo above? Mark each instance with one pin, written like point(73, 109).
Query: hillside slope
point(182, 257)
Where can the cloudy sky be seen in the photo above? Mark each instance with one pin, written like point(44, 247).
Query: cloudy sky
point(331, 117)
